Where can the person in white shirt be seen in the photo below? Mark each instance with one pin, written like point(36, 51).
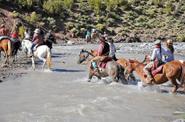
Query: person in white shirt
point(169, 51)
point(112, 49)
point(157, 54)
point(27, 34)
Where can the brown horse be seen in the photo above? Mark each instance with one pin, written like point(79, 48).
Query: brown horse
point(5, 46)
point(172, 71)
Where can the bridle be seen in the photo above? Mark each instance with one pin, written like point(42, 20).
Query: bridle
point(88, 53)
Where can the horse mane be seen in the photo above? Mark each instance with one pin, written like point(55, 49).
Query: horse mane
point(90, 53)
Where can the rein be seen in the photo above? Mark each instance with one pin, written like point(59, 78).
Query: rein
point(85, 51)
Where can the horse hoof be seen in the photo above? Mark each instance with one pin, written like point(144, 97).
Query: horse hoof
point(89, 80)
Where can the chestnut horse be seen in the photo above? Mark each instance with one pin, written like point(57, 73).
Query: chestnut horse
point(5, 46)
point(172, 71)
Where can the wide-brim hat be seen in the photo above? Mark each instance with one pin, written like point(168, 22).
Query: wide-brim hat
point(157, 42)
point(37, 31)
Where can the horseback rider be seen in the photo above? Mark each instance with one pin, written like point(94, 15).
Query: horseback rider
point(169, 51)
point(157, 55)
point(37, 39)
point(3, 30)
point(88, 36)
point(49, 39)
point(27, 34)
point(103, 53)
point(15, 34)
point(112, 49)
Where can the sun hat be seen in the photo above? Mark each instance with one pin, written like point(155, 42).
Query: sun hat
point(157, 42)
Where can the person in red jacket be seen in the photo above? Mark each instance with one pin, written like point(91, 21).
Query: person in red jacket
point(103, 53)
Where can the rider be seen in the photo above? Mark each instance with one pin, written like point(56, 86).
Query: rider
point(103, 52)
point(15, 34)
point(112, 49)
point(50, 38)
point(37, 39)
point(156, 55)
point(88, 36)
point(27, 34)
point(169, 51)
point(3, 30)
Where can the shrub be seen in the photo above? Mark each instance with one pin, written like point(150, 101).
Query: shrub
point(34, 17)
point(100, 27)
point(14, 14)
point(181, 37)
point(53, 6)
point(68, 3)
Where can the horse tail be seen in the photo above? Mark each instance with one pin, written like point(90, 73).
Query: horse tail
point(9, 48)
point(48, 58)
point(182, 77)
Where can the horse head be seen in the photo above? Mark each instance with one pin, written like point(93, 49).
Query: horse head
point(83, 56)
point(130, 66)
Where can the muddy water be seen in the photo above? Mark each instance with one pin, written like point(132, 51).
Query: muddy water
point(64, 95)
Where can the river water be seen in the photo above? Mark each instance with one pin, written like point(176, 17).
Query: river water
point(64, 95)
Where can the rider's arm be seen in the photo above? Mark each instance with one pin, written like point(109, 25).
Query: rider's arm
point(154, 53)
point(100, 49)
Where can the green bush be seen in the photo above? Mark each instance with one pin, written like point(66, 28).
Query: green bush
point(14, 14)
point(95, 5)
point(168, 8)
point(100, 27)
point(181, 37)
point(68, 4)
point(34, 17)
point(25, 3)
point(53, 6)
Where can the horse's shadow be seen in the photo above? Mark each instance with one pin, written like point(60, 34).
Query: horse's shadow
point(67, 70)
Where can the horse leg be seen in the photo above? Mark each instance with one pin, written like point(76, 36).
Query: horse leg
point(98, 76)
point(33, 63)
point(44, 62)
point(6, 58)
point(176, 85)
point(90, 77)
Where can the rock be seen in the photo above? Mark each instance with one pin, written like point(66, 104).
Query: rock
point(70, 42)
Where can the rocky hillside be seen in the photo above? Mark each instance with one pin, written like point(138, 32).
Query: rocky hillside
point(146, 19)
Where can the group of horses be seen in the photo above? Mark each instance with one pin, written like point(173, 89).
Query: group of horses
point(123, 69)
point(10, 49)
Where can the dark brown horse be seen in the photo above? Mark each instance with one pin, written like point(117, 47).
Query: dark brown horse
point(5, 46)
point(172, 71)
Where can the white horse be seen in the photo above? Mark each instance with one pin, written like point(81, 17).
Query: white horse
point(42, 52)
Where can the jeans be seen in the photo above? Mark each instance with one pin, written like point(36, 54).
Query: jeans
point(32, 47)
